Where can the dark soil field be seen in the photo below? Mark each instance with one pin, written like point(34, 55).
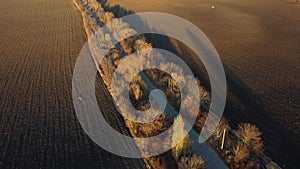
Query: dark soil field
point(259, 44)
point(40, 41)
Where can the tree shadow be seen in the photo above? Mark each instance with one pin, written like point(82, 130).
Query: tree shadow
point(243, 104)
point(248, 102)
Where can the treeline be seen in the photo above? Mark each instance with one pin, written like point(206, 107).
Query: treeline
point(239, 148)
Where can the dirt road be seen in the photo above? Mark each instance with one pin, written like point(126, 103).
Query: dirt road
point(40, 41)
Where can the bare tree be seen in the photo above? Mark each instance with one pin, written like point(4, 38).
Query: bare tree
point(194, 162)
point(251, 136)
point(178, 134)
point(241, 152)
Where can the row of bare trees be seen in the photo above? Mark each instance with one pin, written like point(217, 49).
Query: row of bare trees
point(242, 146)
point(138, 89)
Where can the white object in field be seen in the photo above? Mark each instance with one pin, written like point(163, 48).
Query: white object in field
point(213, 7)
point(223, 139)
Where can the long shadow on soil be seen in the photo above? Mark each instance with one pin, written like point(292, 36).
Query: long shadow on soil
point(243, 105)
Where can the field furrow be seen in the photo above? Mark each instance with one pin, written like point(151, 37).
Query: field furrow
point(40, 41)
